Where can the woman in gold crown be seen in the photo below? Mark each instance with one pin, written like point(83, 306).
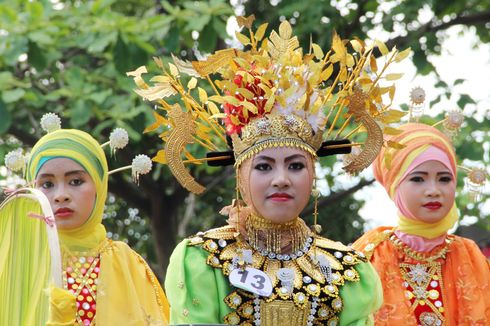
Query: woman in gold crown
point(429, 276)
point(266, 267)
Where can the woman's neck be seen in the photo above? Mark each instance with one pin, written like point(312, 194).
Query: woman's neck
point(419, 243)
point(277, 238)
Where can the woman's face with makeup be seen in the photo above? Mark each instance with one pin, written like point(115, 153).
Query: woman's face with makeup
point(70, 190)
point(280, 183)
point(428, 191)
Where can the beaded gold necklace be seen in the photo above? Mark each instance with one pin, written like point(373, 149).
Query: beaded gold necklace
point(421, 256)
point(276, 237)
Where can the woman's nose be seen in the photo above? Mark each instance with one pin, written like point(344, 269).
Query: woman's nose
point(432, 190)
point(61, 195)
point(281, 178)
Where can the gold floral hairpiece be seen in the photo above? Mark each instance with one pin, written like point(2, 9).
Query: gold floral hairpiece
point(16, 160)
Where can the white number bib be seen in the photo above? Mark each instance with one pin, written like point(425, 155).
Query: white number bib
point(251, 280)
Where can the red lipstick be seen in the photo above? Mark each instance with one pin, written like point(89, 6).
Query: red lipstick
point(280, 196)
point(433, 205)
point(63, 212)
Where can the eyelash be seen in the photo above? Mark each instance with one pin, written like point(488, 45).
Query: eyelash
point(445, 179)
point(296, 166)
point(292, 166)
point(263, 167)
point(76, 182)
point(46, 185)
point(73, 182)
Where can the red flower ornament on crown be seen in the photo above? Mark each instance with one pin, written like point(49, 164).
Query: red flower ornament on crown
point(236, 117)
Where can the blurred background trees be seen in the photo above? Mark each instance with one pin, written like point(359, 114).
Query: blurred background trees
point(71, 57)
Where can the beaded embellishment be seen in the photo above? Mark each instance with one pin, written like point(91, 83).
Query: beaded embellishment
point(310, 300)
point(423, 282)
point(80, 278)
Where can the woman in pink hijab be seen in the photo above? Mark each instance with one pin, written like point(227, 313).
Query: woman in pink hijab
point(429, 277)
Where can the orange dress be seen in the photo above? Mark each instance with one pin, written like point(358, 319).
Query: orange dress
point(449, 285)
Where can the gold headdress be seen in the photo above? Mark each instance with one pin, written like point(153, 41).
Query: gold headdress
point(272, 95)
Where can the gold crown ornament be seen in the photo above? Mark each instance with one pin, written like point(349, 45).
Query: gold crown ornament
point(272, 94)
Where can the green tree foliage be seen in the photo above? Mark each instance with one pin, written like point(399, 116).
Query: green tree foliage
point(71, 57)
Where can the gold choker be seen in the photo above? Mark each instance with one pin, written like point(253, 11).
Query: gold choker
point(421, 256)
point(278, 238)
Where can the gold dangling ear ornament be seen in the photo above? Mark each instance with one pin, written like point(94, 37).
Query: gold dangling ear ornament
point(475, 182)
point(321, 261)
point(316, 228)
point(236, 203)
point(417, 106)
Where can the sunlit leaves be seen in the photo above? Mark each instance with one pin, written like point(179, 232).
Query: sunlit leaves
point(259, 34)
point(161, 157)
point(403, 54)
point(382, 47)
point(192, 83)
point(317, 50)
point(392, 77)
point(391, 116)
point(242, 38)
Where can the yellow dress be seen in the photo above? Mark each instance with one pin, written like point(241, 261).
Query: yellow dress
point(128, 292)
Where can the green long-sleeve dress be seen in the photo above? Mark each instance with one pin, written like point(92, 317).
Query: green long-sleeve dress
point(199, 291)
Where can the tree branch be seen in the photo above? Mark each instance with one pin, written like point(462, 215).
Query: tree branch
point(432, 27)
point(355, 24)
point(189, 213)
point(337, 196)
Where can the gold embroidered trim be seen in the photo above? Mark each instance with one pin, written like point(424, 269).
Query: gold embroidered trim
point(419, 278)
point(273, 143)
point(308, 282)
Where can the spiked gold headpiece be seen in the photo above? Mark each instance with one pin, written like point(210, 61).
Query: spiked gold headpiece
point(272, 95)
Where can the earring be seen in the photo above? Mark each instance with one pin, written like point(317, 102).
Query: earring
point(236, 201)
point(317, 228)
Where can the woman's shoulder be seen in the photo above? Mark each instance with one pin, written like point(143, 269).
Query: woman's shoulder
point(221, 234)
point(464, 246)
point(203, 244)
point(121, 251)
point(344, 253)
point(370, 240)
point(117, 247)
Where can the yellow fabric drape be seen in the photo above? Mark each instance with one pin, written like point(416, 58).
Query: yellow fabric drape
point(428, 230)
point(128, 293)
point(62, 307)
point(24, 264)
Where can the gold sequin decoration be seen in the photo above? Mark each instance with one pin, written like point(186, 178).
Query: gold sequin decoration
point(180, 135)
point(233, 300)
point(307, 266)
